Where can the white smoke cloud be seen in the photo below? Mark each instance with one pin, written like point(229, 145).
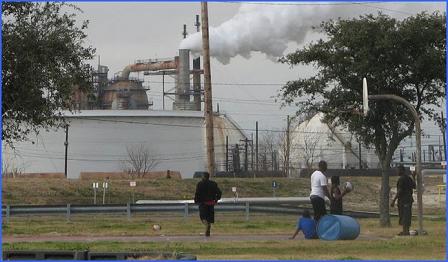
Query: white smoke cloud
point(259, 28)
point(269, 28)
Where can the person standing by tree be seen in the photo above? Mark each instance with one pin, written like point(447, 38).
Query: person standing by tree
point(319, 190)
point(405, 187)
point(336, 196)
point(207, 195)
point(404, 57)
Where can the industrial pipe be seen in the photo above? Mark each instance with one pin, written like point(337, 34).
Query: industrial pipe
point(156, 66)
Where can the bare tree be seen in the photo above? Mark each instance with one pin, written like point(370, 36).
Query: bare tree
point(8, 170)
point(283, 149)
point(140, 160)
point(267, 147)
point(309, 153)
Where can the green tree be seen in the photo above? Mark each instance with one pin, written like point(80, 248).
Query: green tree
point(43, 59)
point(401, 57)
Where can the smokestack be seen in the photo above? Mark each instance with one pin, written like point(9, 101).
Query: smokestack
point(197, 84)
point(197, 75)
point(183, 80)
point(184, 33)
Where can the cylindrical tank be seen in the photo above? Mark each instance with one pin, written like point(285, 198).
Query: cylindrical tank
point(338, 227)
point(124, 94)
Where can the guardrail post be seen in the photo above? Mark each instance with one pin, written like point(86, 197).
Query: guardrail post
point(185, 210)
point(68, 213)
point(128, 208)
point(247, 211)
point(8, 213)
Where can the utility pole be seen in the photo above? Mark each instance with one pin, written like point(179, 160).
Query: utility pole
point(66, 150)
point(163, 90)
point(227, 154)
point(245, 154)
point(444, 138)
point(246, 165)
point(359, 154)
point(287, 146)
point(256, 148)
point(252, 152)
point(208, 107)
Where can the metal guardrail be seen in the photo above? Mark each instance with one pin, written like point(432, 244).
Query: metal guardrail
point(184, 208)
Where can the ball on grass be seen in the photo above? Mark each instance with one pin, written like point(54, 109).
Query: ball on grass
point(156, 227)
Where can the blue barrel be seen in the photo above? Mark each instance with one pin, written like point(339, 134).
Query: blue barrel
point(337, 227)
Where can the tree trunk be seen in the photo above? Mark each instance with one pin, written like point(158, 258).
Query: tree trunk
point(384, 195)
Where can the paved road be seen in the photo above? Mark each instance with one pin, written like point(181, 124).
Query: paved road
point(162, 238)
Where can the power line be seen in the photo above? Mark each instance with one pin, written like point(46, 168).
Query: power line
point(200, 126)
point(226, 84)
point(385, 9)
point(368, 4)
point(297, 4)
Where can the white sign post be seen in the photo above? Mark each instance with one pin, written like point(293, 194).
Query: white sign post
point(95, 188)
point(274, 187)
point(235, 194)
point(133, 184)
point(104, 192)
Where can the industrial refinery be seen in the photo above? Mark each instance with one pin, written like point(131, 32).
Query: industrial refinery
point(123, 92)
point(117, 114)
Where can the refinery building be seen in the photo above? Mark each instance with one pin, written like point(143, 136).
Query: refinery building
point(117, 115)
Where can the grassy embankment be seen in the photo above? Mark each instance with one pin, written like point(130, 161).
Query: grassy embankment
point(58, 191)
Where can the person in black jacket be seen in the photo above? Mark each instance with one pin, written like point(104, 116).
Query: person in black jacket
point(207, 195)
point(405, 188)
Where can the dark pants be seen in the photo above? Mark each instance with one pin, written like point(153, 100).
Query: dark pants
point(405, 214)
point(318, 207)
point(207, 213)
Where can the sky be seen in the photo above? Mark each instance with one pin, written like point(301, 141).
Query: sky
point(245, 87)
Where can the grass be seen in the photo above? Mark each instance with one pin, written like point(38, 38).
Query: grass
point(141, 225)
point(364, 197)
point(431, 246)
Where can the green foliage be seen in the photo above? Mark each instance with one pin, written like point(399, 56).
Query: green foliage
point(404, 58)
point(43, 60)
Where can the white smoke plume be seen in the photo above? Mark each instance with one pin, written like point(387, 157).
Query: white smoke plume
point(260, 28)
point(269, 28)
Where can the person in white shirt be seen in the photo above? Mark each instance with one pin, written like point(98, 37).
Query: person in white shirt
point(319, 190)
